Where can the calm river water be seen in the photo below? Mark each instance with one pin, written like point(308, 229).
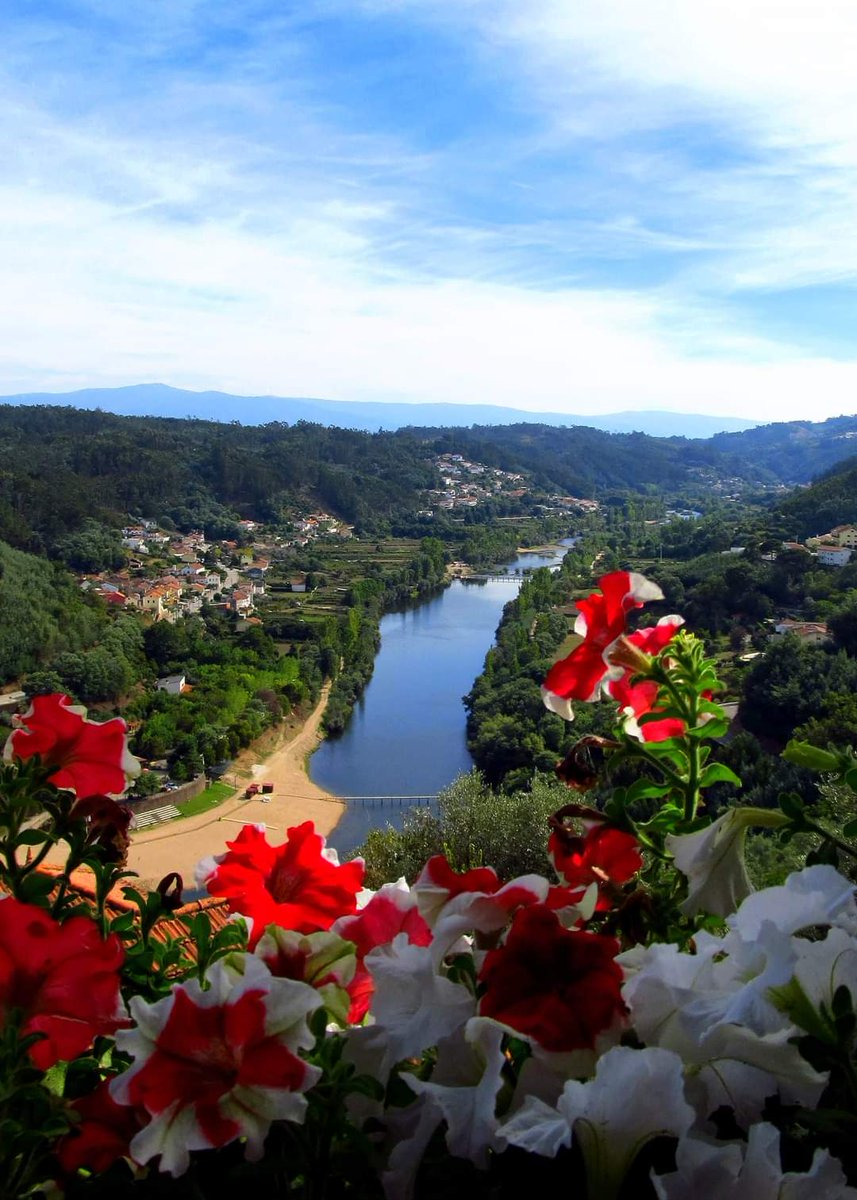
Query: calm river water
point(406, 736)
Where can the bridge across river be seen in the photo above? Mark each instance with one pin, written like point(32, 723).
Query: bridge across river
point(383, 801)
point(485, 578)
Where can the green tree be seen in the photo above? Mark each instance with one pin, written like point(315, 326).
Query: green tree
point(474, 826)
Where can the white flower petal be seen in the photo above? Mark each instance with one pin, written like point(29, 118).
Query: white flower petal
point(737, 1067)
point(464, 1086)
point(643, 589)
point(536, 1127)
point(413, 1006)
point(557, 704)
point(817, 895)
point(172, 1134)
point(735, 1171)
point(613, 1117)
point(713, 861)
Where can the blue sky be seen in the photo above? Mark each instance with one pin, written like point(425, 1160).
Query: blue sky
point(577, 205)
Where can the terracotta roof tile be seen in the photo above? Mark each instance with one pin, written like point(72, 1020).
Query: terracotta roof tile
point(82, 882)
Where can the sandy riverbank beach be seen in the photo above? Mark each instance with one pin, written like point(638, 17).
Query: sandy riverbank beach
point(179, 845)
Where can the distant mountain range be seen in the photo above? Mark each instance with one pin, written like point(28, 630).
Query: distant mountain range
point(159, 400)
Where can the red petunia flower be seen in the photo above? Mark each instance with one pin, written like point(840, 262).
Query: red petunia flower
point(212, 1066)
point(602, 620)
point(604, 855)
point(639, 698)
point(88, 758)
point(560, 987)
point(392, 910)
point(473, 901)
point(299, 885)
point(63, 980)
point(103, 1132)
point(477, 896)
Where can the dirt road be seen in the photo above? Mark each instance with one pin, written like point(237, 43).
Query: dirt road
point(179, 845)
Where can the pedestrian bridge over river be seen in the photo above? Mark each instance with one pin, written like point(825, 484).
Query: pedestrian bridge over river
point(385, 801)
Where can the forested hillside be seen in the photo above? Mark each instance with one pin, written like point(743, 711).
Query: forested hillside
point(794, 451)
point(586, 462)
point(62, 467)
point(831, 501)
point(42, 613)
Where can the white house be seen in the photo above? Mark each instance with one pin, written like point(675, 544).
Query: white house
point(173, 684)
point(834, 556)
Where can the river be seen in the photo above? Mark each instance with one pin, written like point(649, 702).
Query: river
point(406, 736)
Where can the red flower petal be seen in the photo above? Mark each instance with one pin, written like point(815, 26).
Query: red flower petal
point(638, 699)
point(602, 620)
point(205, 1052)
point(376, 925)
point(438, 873)
point(294, 885)
point(604, 856)
point(88, 758)
point(63, 979)
point(559, 986)
point(102, 1135)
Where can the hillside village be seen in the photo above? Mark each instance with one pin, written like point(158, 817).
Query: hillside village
point(170, 576)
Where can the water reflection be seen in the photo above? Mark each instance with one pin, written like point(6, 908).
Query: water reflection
point(406, 736)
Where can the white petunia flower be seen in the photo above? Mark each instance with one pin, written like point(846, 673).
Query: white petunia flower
point(713, 860)
point(817, 895)
point(735, 1171)
point(413, 1007)
point(464, 1087)
point(610, 1117)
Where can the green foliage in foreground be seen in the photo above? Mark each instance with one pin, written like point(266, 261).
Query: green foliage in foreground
point(474, 827)
point(770, 860)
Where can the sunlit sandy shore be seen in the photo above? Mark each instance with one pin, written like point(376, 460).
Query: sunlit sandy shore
point(179, 845)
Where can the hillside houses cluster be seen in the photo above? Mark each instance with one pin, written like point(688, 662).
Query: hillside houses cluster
point(181, 589)
point(467, 484)
point(317, 524)
point(569, 504)
point(197, 572)
point(834, 549)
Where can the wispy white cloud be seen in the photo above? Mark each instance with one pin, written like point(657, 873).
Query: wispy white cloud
point(189, 195)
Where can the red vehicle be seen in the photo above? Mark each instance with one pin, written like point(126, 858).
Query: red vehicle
point(252, 790)
point(267, 788)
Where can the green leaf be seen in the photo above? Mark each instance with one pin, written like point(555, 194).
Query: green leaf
point(366, 1085)
point(645, 789)
point(55, 1078)
point(36, 887)
point(718, 773)
point(669, 750)
point(33, 837)
point(665, 820)
point(715, 728)
point(792, 805)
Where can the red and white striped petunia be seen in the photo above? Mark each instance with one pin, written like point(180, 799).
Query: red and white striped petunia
point(601, 622)
point(212, 1066)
